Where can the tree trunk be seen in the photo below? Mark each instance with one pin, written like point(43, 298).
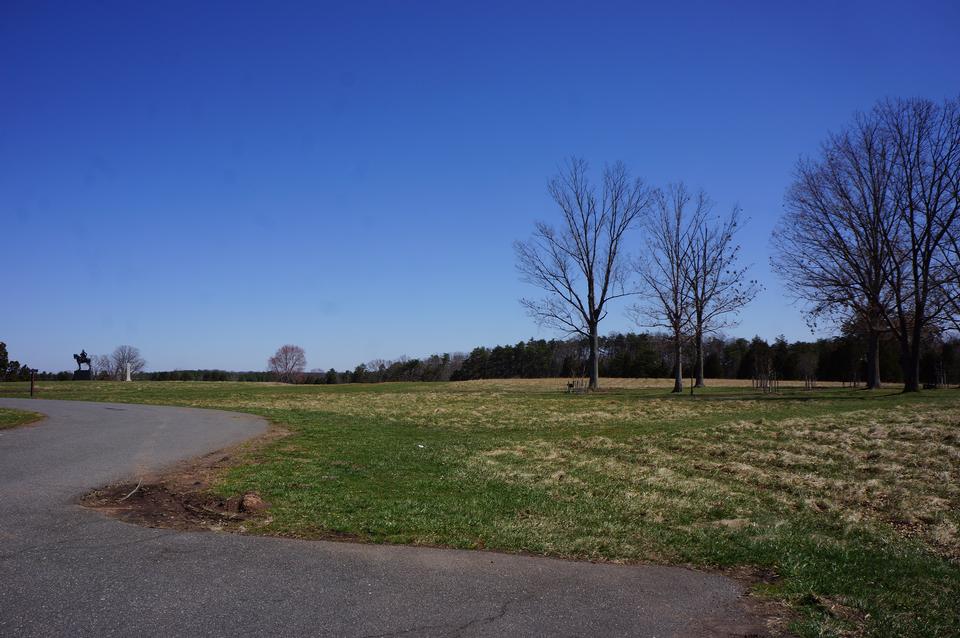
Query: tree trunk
point(873, 360)
point(677, 369)
point(910, 364)
point(699, 346)
point(910, 354)
point(594, 358)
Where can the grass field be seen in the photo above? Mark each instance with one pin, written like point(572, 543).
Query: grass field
point(12, 418)
point(850, 498)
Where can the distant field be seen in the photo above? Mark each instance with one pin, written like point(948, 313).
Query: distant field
point(848, 499)
point(12, 418)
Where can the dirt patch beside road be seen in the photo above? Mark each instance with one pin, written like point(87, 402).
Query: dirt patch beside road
point(159, 505)
point(180, 498)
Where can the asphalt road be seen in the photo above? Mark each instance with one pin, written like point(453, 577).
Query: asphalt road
point(69, 571)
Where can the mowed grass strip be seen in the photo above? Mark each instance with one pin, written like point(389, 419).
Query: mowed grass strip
point(851, 497)
point(10, 418)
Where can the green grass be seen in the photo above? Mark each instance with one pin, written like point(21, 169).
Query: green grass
point(852, 497)
point(10, 418)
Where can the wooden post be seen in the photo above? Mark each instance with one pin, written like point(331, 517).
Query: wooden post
point(33, 378)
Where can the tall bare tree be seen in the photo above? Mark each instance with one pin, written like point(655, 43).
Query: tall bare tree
point(717, 283)
point(925, 141)
point(867, 238)
point(830, 246)
point(124, 359)
point(288, 363)
point(665, 267)
point(579, 265)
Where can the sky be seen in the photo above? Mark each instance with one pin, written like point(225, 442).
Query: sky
point(209, 181)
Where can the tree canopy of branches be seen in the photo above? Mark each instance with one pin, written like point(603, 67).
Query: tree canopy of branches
point(950, 263)
point(288, 363)
point(925, 141)
point(124, 359)
point(866, 239)
point(101, 367)
point(665, 267)
point(580, 265)
point(830, 247)
point(717, 283)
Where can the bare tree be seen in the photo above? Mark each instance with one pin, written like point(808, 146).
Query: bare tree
point(717, 283)
point(126, 358)
point(867, 239)
point(101, 366)
point(830, 245)
point(925, 141)
point(664, 270)
point(288, 363)
point(376, 369)
point(580, 265)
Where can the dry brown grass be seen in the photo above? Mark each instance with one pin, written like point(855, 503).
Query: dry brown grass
point(899, 466)
point(497, 408)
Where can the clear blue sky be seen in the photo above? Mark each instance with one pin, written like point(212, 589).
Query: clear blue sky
point(208, 181)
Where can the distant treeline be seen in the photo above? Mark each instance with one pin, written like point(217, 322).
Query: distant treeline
point(650, 355)
point(621, 355)
point(171, 375)
point(11, 369)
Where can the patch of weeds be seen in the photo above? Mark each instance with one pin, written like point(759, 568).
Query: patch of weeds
point(10, 418)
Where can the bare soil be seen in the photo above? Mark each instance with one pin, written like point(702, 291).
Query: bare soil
point(180, 498)
point(157, 505)
point(177, 501)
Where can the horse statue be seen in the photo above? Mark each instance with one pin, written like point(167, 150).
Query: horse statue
point(82, 358)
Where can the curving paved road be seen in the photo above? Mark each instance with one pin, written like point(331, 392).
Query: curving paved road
point(69, 571)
